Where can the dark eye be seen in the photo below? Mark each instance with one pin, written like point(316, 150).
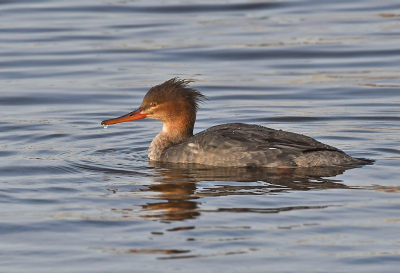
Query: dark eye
point(153, 104)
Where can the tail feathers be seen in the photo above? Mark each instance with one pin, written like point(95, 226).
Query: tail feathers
point(329, 159)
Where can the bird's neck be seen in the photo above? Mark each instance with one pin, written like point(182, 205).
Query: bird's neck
point(174, 132)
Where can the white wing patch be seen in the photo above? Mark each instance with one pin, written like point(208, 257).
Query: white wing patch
point(194, 147)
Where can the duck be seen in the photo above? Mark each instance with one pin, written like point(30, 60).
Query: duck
point(175, 104)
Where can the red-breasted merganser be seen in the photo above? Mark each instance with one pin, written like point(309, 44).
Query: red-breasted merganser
point(227, 145)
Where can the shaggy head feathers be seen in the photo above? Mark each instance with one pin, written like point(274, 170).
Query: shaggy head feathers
point(174, 89)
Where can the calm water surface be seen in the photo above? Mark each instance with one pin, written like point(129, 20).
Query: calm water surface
point(79, 198)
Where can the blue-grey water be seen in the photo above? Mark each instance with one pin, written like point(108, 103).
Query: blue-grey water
point(75, 197)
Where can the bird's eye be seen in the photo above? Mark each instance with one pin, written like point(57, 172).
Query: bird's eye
point(153, 104)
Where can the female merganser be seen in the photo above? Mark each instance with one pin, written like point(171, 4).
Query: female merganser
point(227, 145)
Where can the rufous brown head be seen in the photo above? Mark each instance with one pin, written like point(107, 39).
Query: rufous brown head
point(165, 102)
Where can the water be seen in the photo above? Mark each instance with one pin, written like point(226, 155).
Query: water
point(77, 197)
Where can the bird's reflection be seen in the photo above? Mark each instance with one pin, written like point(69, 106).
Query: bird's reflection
point(177, 192)
point(176, 185)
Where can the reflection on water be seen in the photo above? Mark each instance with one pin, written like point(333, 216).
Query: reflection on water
point(175, 185)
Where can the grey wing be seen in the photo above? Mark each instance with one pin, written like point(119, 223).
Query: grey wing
point(248, 136)
point(239, 144)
